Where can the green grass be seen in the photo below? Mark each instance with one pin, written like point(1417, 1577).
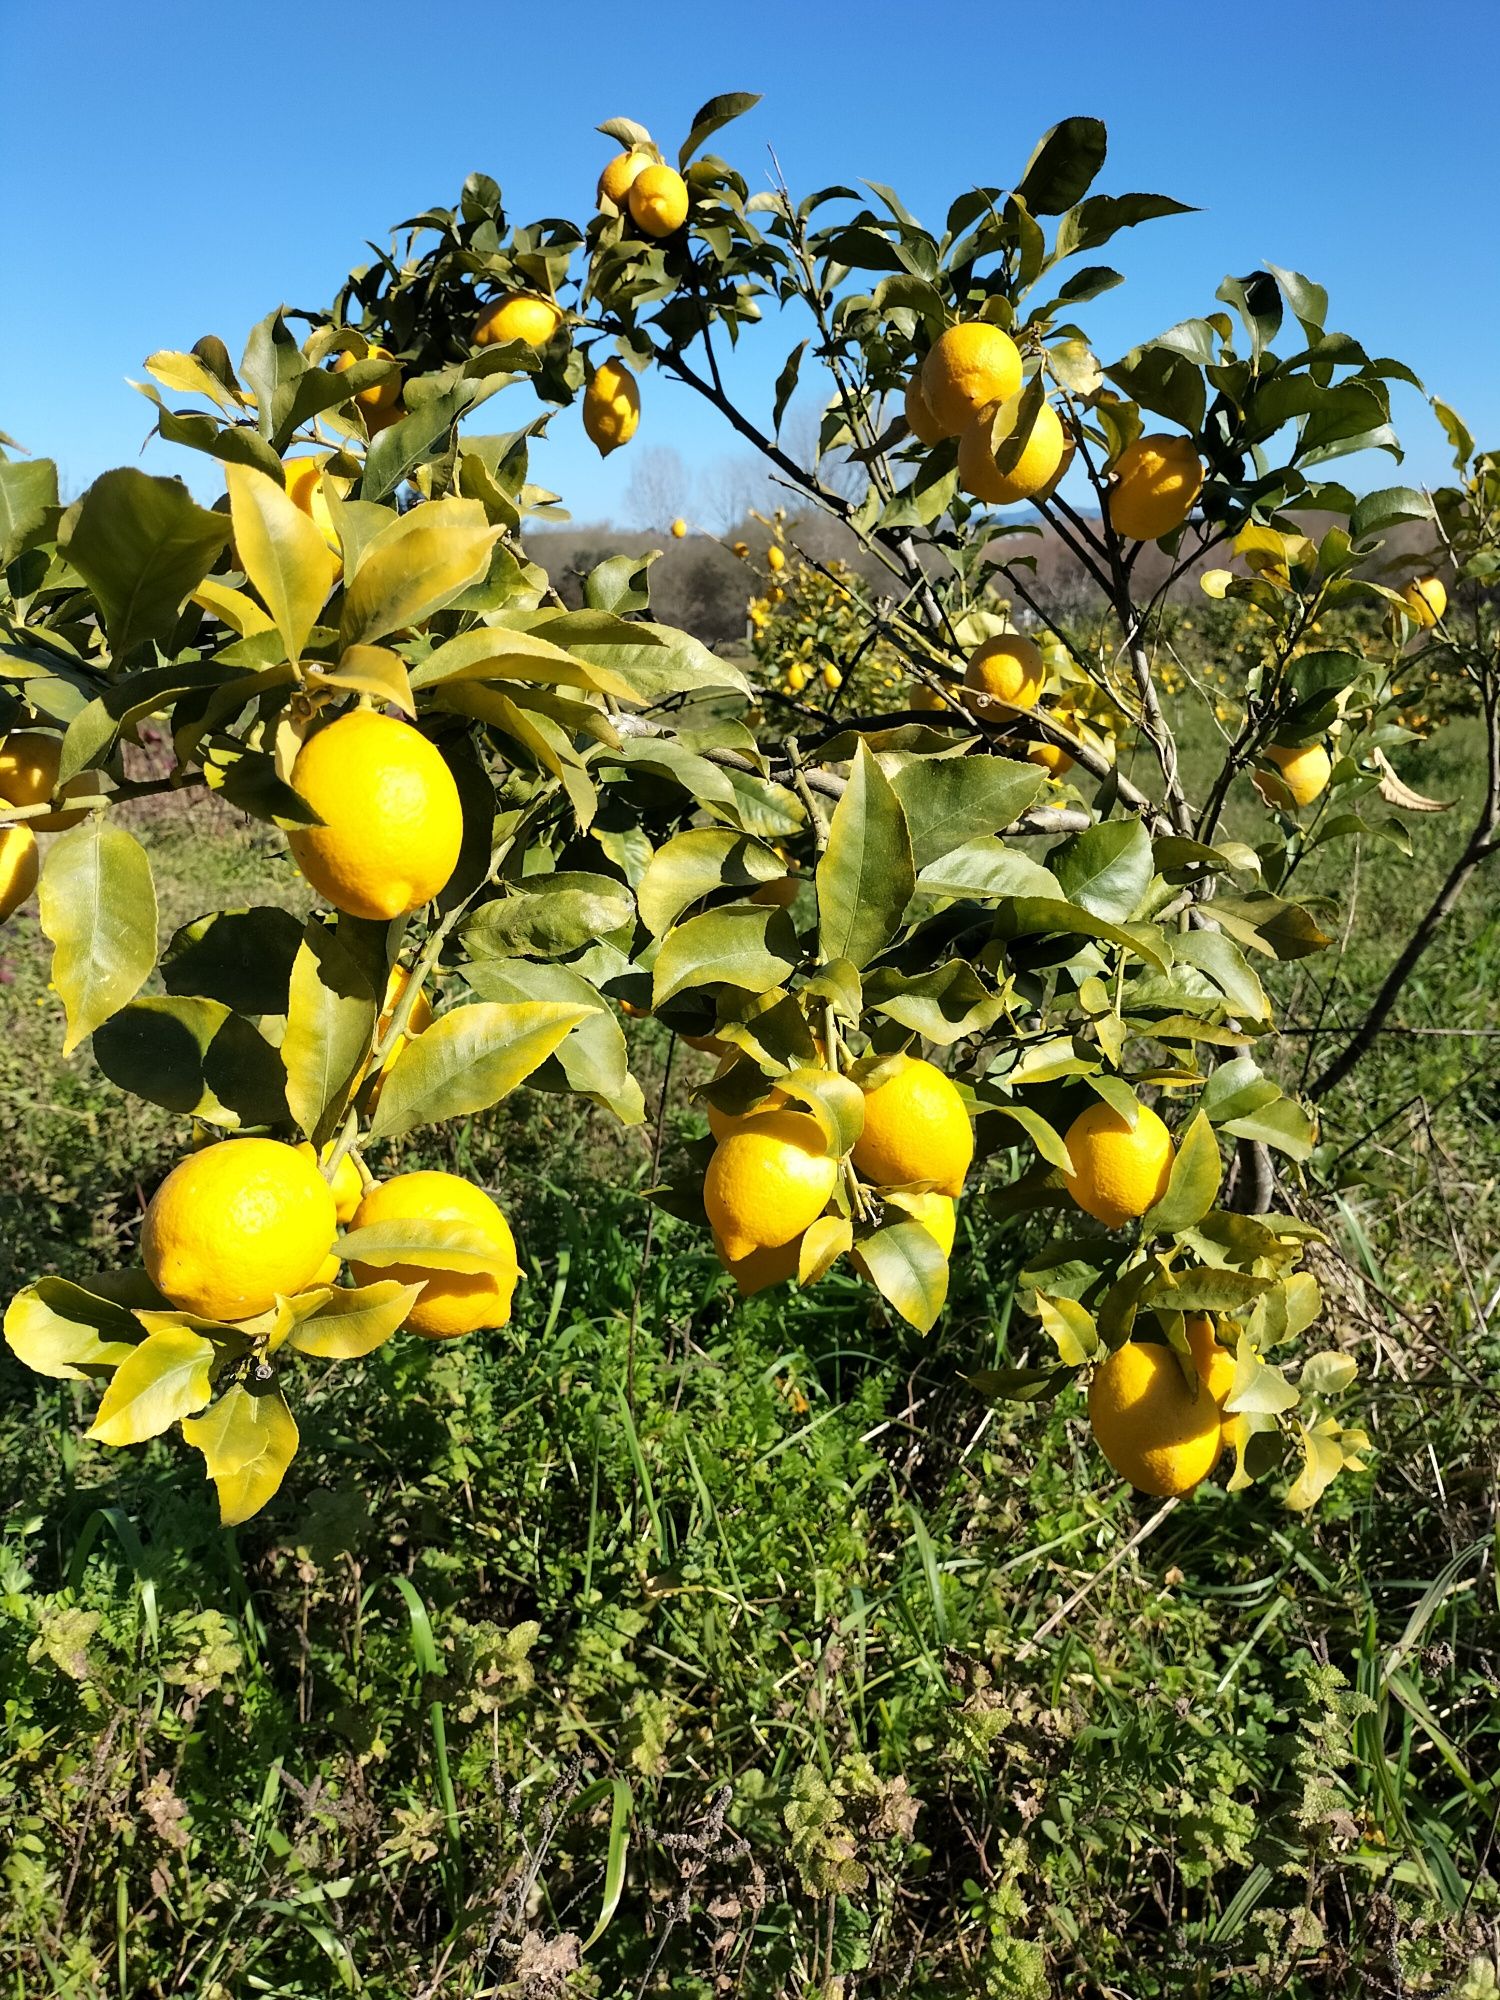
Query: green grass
point(701, 1635)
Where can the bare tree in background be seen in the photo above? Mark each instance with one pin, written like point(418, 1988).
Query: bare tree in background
point(800, 436)
point(733, 488)
point(660, 488)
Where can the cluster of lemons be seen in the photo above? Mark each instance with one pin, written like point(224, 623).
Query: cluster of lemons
point(807, 627)
point(30, 760)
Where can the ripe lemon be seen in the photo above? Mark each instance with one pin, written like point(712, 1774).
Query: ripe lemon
point(679, 528)
point(916, 1129)
point(1118, 1173)
point(1051, 756)
point(919, 418)
point(380, 395)
point(19, 868)
point(392, 823)
point(1304, 773)
point(969, 369)
point(935, 1212)
point(307, 486)
point(759, 1269)
point(611, 406)
point(452, 1302)
point(1426, 599)
point(1035, 470)
point(618, 176)
point(29, 763)
point(235, 1226)
point(658, 200)
point(1156, 481)
point(347, 1184)
point(767, 1181)
point(520, 316)
point(927, 699)
point(775, 559)
point(1149, 1424)
point(1215, 1364)
point(1008, 667)
point(417, 1021)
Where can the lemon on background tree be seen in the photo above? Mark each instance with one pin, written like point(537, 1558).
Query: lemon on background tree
point(985, 948)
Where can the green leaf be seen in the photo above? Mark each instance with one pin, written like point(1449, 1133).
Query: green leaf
point(27, 491)
point(166, 1377)
point(281, 551)
point(1392, 504)
point(241, 958)
point(71, 1331)
point(593, 1059)
point(548, 916)
point(713, 116)
point(1028, 916)
point(1043, 1136)
point(1194, 1186)
point(949, 801)
point(1281, 1123)
point(98, 907)
point(1237, 1089)
point(694, 864)
point(620, 584)
point(356, 1322)
point(414, 439)
point(752, 946)
point(416, 566)
point(866, 876)
point(467, 1061)
point(372, 670)
point(1327, 1374)
point(1258, 1390)
point(907, 1267)
point(988, 871)
point(142, 545)
point(1071, 1326)
point(1064, 166)
point(196, 1057)
point(330, 1026)
point(1105, 869)
point(942, 1006)
point(247, 1444)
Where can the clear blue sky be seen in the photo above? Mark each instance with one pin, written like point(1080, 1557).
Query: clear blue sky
point(172, 173)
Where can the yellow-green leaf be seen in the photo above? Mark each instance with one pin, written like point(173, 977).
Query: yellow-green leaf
point(98, 906)
point(419, 563)
point(353, 1323)
point(907, 1267)
point(823, 1243)
point(428, 1242)
point(866, 876)
point(1071, 1326)
point(282, 551)
point(247, 1444)
point(1194, 1184)
point(372, 670)
point(68, 1331)
point(234, 608)
point(1322, 1462)
point(165, 1378)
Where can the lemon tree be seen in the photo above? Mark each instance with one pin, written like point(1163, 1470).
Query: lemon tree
point(984, 948)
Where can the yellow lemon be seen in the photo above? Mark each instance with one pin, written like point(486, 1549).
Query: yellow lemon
point(740, 549)
point(658, 200)
point(1426, 599)
point(611, 406)
point(1154, 1430)
point(235, 1226)
point(392, 823)
point(347, 1184)
point(1031, 466)
point(1303, 774)
point(775, 559)
point(767, 1181)
point(920, 421)
point(19, 868)
point(1051, 756)
point(927, 699)
point(1215, 1364)
point(970, 368)
point(936, 1213)
point(29, 763)
point(380, 395)
point(452, 1302)
point(1008, 667)
point(759, 1269)
point(417, 1021)
point(679, 528)
point(1118, 1173)
point(618, 176)
point(916, 1129)
point(307, 485)
point(1156, 481)
point(520, 316)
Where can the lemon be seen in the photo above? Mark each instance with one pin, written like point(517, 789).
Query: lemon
point(679, 528)
point(380, 395)
point(1215, 1364)
point(1150, 1425)
point(1051, 756)
point(611, 406)
point(919, 418)
point(1033, 471)
point(759, 1269)
point(935, 1212)
point(19, 868)
point(347, 1184)
point(916, 1129)
point(1426, 599)
point(1156, 481)
point(767, 1181)
point(1303, 774)
point(307, 485)
point(452, 1302)
point(658, 200)
point(519, 316)
point(29, 763)
point(928, 699)
point(967, 370)
point(1118, 1173)
point(418, 1020)
point(740, 549)
point(775, 559)
point(1008, 667)
point(392, 823)
point(236, 1226)
point(618, 176)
